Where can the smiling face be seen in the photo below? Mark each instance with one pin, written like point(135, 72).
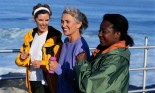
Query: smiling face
point(107, 35)
point(69, 25)
point(42, 22)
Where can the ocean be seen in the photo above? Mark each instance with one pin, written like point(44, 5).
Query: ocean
point(16, 19)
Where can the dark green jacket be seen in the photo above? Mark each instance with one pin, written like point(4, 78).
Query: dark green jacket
point(107, 73)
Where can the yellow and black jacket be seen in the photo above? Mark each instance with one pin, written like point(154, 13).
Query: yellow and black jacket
point(52, 47)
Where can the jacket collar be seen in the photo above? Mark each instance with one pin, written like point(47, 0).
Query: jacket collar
point(51, 35)
point(51, 32)
point(119, 48)
point(120, 44)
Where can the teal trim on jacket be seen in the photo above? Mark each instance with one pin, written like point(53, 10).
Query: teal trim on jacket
point(107, 73)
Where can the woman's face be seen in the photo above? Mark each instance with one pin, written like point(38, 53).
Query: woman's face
point(107, 35)
point(42, 22)
point(69, 25)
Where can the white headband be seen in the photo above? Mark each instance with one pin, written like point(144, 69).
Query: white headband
point(41, 8)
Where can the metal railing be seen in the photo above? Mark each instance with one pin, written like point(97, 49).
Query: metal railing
point(145, 68)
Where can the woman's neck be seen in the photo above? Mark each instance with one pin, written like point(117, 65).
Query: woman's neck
point(41, 32)
point(74, 37)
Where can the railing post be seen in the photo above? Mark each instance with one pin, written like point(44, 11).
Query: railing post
point(145, 64)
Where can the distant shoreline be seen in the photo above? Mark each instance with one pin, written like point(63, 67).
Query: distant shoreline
point(11, 75)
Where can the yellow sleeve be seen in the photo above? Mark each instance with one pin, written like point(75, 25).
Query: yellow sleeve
point(20, 62)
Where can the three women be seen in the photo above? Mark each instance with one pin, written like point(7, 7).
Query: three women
point(106, 71)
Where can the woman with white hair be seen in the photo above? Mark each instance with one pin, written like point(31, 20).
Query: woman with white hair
point(73, 22)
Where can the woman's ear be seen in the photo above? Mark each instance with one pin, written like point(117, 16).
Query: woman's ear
point(79, 25)
point(117, 35)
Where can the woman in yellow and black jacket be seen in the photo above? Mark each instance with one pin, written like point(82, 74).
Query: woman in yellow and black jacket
point(50, 47)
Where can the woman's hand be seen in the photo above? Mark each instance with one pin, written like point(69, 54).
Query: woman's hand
point(81, 56)
point(52, 65)
point(24, 55)
point(36, 63)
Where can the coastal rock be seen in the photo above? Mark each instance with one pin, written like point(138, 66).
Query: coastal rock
point(12, 90)
point(13, 83)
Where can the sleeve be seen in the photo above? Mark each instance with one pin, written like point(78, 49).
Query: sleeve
point(110, 76)
point(58, 46)
point(25, 47)
point(57, 51)
point(20, 62)
point(54, 50)
point(58, 69)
